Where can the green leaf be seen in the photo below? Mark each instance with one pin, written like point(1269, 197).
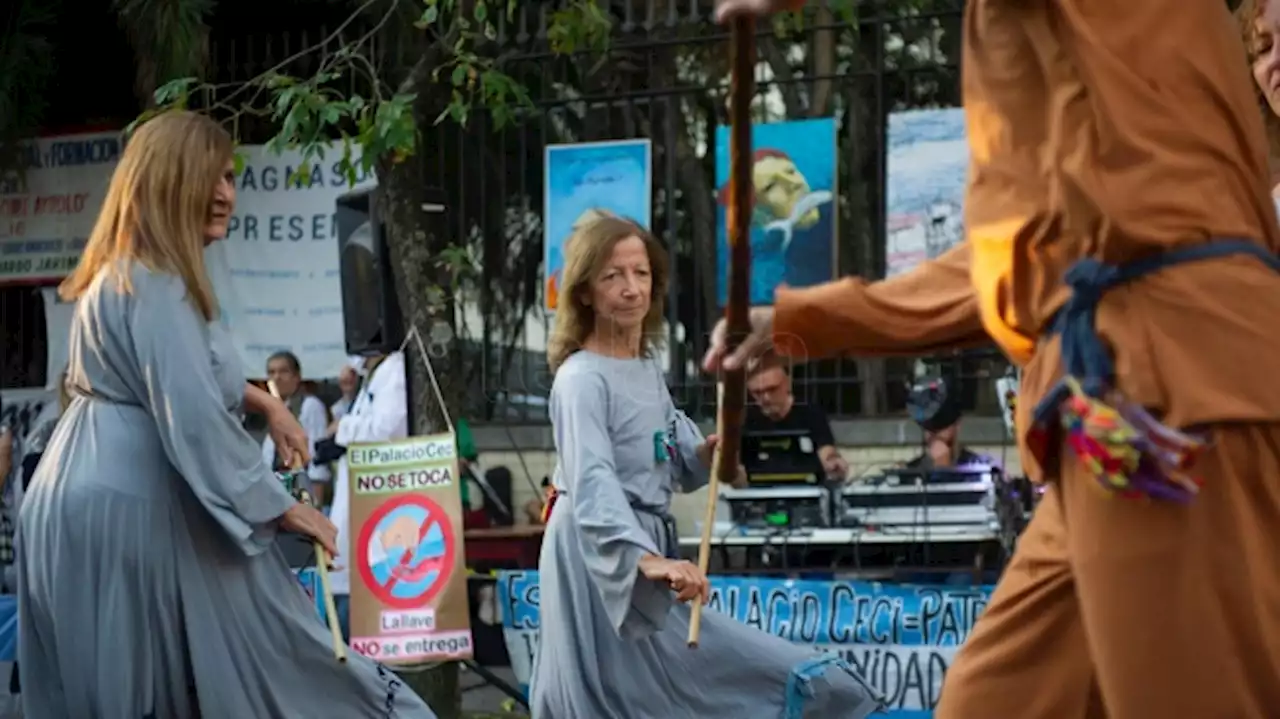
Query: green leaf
point(458, 111)
point(501, 115)
point(276, 145)
point(175, 92)
point(459, 75)
point(300, 177)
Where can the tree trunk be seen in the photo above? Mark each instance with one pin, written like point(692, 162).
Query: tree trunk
point(414, 239)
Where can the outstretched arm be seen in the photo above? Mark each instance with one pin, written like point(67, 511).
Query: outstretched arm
point(932, 307)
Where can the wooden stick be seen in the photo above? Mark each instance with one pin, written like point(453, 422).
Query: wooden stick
point(322, 559)
point(330, 606)
point(732, 400)
point(708, 520)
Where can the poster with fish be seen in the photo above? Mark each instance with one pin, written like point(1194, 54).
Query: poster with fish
point(793, 226)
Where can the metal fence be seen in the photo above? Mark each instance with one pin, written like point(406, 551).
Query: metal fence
point(23, 341)
point(664, 76)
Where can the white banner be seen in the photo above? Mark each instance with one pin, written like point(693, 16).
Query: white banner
point(48, 209)
point(276, 272)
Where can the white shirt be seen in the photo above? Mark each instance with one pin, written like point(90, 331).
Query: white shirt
point(340, 408)
point(315, 423)
point(379, 414)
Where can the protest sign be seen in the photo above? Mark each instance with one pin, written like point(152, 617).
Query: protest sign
point(409, 604)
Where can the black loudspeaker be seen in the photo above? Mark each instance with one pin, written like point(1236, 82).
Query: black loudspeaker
point(372, 321)
point(500, 481)
point(370, 311)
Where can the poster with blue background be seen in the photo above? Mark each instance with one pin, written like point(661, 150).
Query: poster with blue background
point(587, 180)
point(926, 171)
point(793, 227)
point(900, 637)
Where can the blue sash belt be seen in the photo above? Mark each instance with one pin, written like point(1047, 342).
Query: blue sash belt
point(1090, 372)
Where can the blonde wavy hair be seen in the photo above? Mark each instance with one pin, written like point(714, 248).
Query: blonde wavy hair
point(585, 255)
point(157, 207)
point(1247, 15)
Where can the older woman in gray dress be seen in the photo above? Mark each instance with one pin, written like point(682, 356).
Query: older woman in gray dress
point(149, 582)
point(613, 596)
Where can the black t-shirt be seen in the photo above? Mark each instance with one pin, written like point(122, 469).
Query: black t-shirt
point(924, 461)
point(804, 424)
point(803, 417)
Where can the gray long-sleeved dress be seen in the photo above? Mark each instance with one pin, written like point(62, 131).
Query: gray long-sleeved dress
point(612, 643)
point(149, 581)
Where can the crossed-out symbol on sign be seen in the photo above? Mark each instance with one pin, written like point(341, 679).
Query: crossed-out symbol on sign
point(406, 551)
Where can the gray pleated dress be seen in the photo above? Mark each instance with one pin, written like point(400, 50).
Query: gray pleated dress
point(149, 581)
point(612, 643)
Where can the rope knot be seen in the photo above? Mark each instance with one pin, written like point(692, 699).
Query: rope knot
point(1089, 279)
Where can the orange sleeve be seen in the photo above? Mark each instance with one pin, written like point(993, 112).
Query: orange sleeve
point(932, 307)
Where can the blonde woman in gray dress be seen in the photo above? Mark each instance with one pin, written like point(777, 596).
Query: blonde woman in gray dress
point(149, 582)
point(613, 595)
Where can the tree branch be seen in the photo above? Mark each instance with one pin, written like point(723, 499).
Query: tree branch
point(260, 81)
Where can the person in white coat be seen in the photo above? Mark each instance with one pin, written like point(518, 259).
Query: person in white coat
point(380, 413)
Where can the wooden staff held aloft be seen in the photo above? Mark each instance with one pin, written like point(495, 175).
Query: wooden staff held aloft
point(732, 398)
point(296, 465)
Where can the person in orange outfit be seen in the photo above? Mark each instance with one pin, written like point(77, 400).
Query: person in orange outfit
point(1121, 247)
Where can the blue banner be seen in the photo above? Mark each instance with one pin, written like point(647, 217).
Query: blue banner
point(900, 637)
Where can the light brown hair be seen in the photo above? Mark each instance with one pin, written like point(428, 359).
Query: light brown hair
point(1247, 15)
point(585, 255)
point(157, 207)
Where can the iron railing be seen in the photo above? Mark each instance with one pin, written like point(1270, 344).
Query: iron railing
point(664, 77)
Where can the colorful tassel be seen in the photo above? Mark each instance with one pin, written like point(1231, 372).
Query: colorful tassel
point(549, 505)
point(1128, 451)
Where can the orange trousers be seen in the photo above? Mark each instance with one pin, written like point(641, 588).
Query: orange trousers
point(1134, 610)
